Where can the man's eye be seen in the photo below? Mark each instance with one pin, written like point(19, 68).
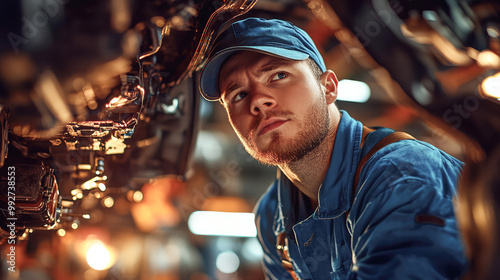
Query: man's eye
point(279, 76)
point(240, 95)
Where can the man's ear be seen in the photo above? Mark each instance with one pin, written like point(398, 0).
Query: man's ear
point(329, 84)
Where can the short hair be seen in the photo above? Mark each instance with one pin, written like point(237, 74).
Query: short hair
point(315, 69)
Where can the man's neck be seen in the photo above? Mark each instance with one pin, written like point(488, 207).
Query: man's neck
point(307, 174)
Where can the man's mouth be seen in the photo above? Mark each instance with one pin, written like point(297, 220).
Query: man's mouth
point(270, 124)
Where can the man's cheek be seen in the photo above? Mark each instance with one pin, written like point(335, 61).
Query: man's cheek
point(244, 137)
point(234, 124)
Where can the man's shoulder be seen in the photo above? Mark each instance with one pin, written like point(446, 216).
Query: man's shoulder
point(414, 154)
point(411, 162)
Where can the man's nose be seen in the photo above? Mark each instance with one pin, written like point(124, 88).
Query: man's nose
point(262, 102)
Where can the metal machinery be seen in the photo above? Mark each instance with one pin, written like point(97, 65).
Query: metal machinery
point(97, 98)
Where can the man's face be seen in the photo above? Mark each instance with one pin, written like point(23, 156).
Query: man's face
point(275, 106)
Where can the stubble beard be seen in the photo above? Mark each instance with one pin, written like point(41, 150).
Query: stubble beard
point(313, 131)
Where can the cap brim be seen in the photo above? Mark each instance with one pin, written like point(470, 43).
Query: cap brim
point(210, 73)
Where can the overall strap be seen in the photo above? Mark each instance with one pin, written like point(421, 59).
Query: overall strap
point(374, 141)
point(282, 247)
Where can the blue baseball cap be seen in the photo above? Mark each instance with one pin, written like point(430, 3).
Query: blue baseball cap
point(273, 37)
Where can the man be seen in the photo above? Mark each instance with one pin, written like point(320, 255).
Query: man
point(315, 222)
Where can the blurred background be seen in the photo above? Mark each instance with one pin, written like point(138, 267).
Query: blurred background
point(123, 171)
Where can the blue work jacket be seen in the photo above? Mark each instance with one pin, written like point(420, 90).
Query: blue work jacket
point(400, 224)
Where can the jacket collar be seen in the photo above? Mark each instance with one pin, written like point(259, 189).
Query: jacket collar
point(335, 192)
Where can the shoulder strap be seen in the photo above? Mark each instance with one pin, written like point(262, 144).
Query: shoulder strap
point(374, 141)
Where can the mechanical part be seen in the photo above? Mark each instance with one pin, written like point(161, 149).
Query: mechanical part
point(29, 196)
point(112, 95)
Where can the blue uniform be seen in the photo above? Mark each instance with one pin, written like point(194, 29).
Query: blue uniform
point(400, 225)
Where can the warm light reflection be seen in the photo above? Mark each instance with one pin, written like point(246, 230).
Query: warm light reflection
point(74, 225)
point(108, 202)
point(222, 223)
point(113, 102)
point(102, 187)
point(61, 232)
point(98, 256)
point(137, 196)
point(490, 86)
point(92, 184)
point(158, 21)
point(353, 91)
point(488, 59)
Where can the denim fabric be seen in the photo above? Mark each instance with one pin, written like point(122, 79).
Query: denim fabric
point(400, 225)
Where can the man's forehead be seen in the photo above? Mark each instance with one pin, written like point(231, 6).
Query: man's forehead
point(242, 60)
point(259, 63)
